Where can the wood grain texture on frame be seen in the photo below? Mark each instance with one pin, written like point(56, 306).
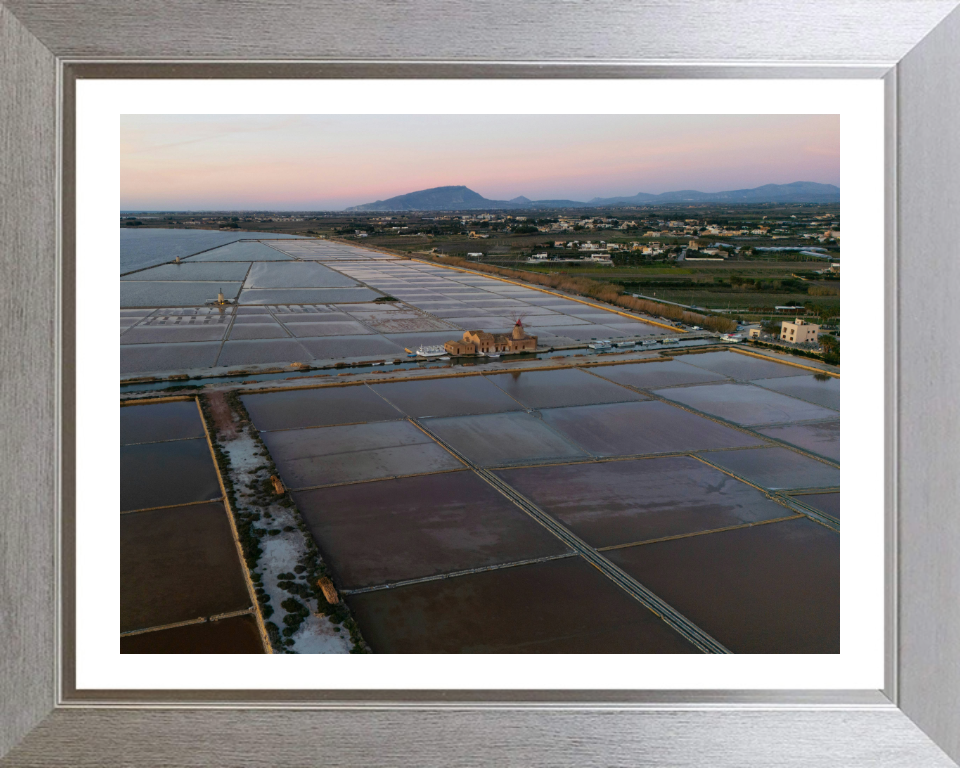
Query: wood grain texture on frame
point(928, 133)
point(663, 38)
point(500, 737)
point(718, 31)
point(28, 377)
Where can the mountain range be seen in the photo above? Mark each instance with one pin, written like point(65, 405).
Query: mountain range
point(462, 198)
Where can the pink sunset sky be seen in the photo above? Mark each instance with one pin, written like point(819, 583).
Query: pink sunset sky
point(328, 162)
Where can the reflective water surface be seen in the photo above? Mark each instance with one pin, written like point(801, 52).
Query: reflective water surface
point(392, 530)
point(666, 373)
point(822, 439)
point(163, 474)
point(447, 397)
point(828, 503)
point(496, 439)
point(160, 421)
point(238, 634)
point(318, 407)
point(355, 452)
point(144, 247)
point(619, 502)
point(624, 429)
point(742, 367)
point(777, 468)
point(816, 388)
point(178, 564)
point(745, 404)
point(552, 389)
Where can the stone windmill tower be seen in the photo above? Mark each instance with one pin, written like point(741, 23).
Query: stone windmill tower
point(518, 331)
point(520, 340)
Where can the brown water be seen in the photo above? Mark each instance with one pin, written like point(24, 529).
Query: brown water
point(768, 589)
point(552, 389)
point(620, 502)
point(178, 564)
point(238, 634)
point(624, 429)
point(162, 421)
point(392, 530)
point(163, 474)
point(560, 606)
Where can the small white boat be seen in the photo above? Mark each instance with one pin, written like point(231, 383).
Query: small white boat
point(626, 344)
point(493, 354)
point(730, 339)
point(599, 344)
point(445, 357)
point(429, 351)
point(669, 341)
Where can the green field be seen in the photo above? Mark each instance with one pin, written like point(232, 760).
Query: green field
point(752, 302)
point(600, 272)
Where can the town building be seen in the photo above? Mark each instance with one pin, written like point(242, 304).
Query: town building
point(481, 342)
point(799, 331)
point(460, 347)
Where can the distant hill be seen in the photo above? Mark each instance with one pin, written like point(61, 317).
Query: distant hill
point(797, 192)
point(436, 199)
point(462, 198)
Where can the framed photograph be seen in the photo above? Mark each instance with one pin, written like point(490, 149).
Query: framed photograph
point(469, 411)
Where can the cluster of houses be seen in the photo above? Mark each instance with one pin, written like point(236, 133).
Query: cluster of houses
point(601, 257)
point(562, 224)
point(674, 228)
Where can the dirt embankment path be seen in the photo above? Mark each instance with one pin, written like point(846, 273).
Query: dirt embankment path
point(222, 416)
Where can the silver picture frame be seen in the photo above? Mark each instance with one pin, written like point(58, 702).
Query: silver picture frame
point(45, 47)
